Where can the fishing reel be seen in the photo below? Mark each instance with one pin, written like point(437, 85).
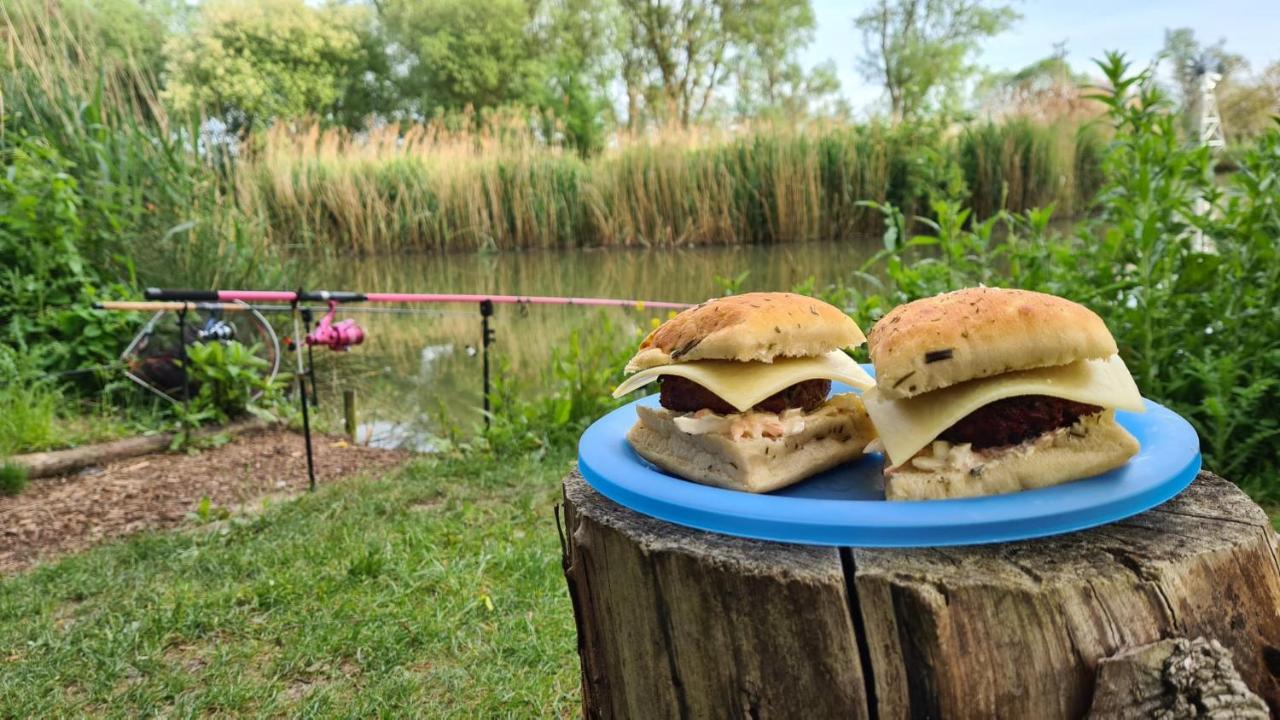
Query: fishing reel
point(216, 329)
point(339, 336)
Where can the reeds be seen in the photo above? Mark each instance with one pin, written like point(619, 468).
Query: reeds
point(172, 200)
point(428, 189)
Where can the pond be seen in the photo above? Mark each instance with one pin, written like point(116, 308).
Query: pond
point(421, 366)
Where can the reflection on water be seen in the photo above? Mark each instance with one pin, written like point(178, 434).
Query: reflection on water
point(415, 369)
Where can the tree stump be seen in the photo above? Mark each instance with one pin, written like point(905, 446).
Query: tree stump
point(674, 622)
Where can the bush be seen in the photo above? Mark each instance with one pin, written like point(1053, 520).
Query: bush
point(574, 390)
point(230, 382)
point(1198, 323)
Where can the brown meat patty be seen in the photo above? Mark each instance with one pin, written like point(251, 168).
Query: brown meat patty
point(684, 395)
point(1013, 420)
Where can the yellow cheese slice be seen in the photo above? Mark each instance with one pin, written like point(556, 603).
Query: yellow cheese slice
point(743, 384)
point(906, 426)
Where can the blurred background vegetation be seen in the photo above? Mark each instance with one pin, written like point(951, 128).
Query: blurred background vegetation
point(235, 143)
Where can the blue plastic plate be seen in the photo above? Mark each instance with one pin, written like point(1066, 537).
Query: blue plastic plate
point(846, 505)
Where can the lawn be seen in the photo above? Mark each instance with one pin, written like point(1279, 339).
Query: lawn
point(434, 592)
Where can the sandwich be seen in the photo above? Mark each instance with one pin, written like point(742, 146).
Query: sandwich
point(744, 384)
point(985, 391)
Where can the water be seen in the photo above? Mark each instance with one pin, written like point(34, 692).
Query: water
point(417, 367)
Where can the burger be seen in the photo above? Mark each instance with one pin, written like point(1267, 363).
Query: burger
point(985, 391)
point(744, 384)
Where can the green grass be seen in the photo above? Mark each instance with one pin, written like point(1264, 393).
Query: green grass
point(434, 592)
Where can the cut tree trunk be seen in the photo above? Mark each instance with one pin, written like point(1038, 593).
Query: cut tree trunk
point(674, 622)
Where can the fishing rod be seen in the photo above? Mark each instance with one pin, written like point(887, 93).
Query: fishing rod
point(339, 335)
point(177, 306)
point(344, 296)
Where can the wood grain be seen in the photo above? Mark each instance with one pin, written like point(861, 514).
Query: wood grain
point(674, 622)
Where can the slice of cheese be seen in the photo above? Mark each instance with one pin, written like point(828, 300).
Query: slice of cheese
point(906, 426)
point(743, 384)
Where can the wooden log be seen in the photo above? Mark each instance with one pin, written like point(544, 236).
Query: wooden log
point(674, 622)
point(1175, 678)
point(61, 462)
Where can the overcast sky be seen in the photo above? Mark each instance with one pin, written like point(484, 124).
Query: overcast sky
point(1250, 27)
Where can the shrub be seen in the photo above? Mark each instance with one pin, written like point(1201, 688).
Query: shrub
point(1197, 322)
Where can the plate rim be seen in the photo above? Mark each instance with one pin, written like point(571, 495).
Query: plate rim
point(918, 523)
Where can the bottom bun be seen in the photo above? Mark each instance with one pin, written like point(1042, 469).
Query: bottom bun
point(756, 464)
point(1094, 445)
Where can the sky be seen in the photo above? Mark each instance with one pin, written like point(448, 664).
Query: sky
point(1090, 27)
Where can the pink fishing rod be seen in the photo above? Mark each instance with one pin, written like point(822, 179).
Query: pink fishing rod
point(288, 296)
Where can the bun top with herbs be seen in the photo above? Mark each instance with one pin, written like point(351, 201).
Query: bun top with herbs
point(756, 350)
point(940, 341)
point(753, 327)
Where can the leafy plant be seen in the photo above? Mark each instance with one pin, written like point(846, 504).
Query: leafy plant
point(1186, 274)
point(231, 382)
point(574, 390)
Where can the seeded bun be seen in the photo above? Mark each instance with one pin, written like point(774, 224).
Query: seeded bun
point(750, 464)
point(979, 332)
point(1103, 446)
point(752, 327)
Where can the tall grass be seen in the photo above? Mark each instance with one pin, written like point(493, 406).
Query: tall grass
point(432, 189)
point(153, 204)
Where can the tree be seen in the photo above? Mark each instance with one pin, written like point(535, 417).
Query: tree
point(680, 53)
point(1047, 89)
point(250, 62)
point(464, 53)
point(769, 79)
point(577, 41)
point(920, 50)
point(676, 54)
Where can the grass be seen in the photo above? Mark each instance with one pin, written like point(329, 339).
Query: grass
point(36, 416)
point(435, 592)
point(13, 478)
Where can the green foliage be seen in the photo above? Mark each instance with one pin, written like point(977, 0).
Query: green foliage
point(467, 53)
point(231, 382)
point(13, 478)
point(677, 56)
point(921, 50)
point(46, 283)
point(27, 415)
point(574, 390)
point(251, 62)
point(1196, 323)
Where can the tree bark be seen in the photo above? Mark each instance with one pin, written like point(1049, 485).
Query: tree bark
point(1174, 679)
point(674, 622)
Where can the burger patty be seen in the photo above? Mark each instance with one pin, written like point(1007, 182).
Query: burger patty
point(1013, 420)
point(684, 395)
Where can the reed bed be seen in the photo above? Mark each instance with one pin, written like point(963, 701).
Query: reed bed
point(427, 188)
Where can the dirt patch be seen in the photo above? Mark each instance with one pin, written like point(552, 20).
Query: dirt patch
point(66, 514)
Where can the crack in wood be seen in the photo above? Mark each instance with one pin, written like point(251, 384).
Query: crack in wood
point(664, 627)
point(850, 569)
point(1203, 516)
point(1013, 630)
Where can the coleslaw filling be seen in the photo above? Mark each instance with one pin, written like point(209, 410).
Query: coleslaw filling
point(945, 457)
point(757, 424)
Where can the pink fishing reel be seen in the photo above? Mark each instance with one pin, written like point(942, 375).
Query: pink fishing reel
point(335, 336)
